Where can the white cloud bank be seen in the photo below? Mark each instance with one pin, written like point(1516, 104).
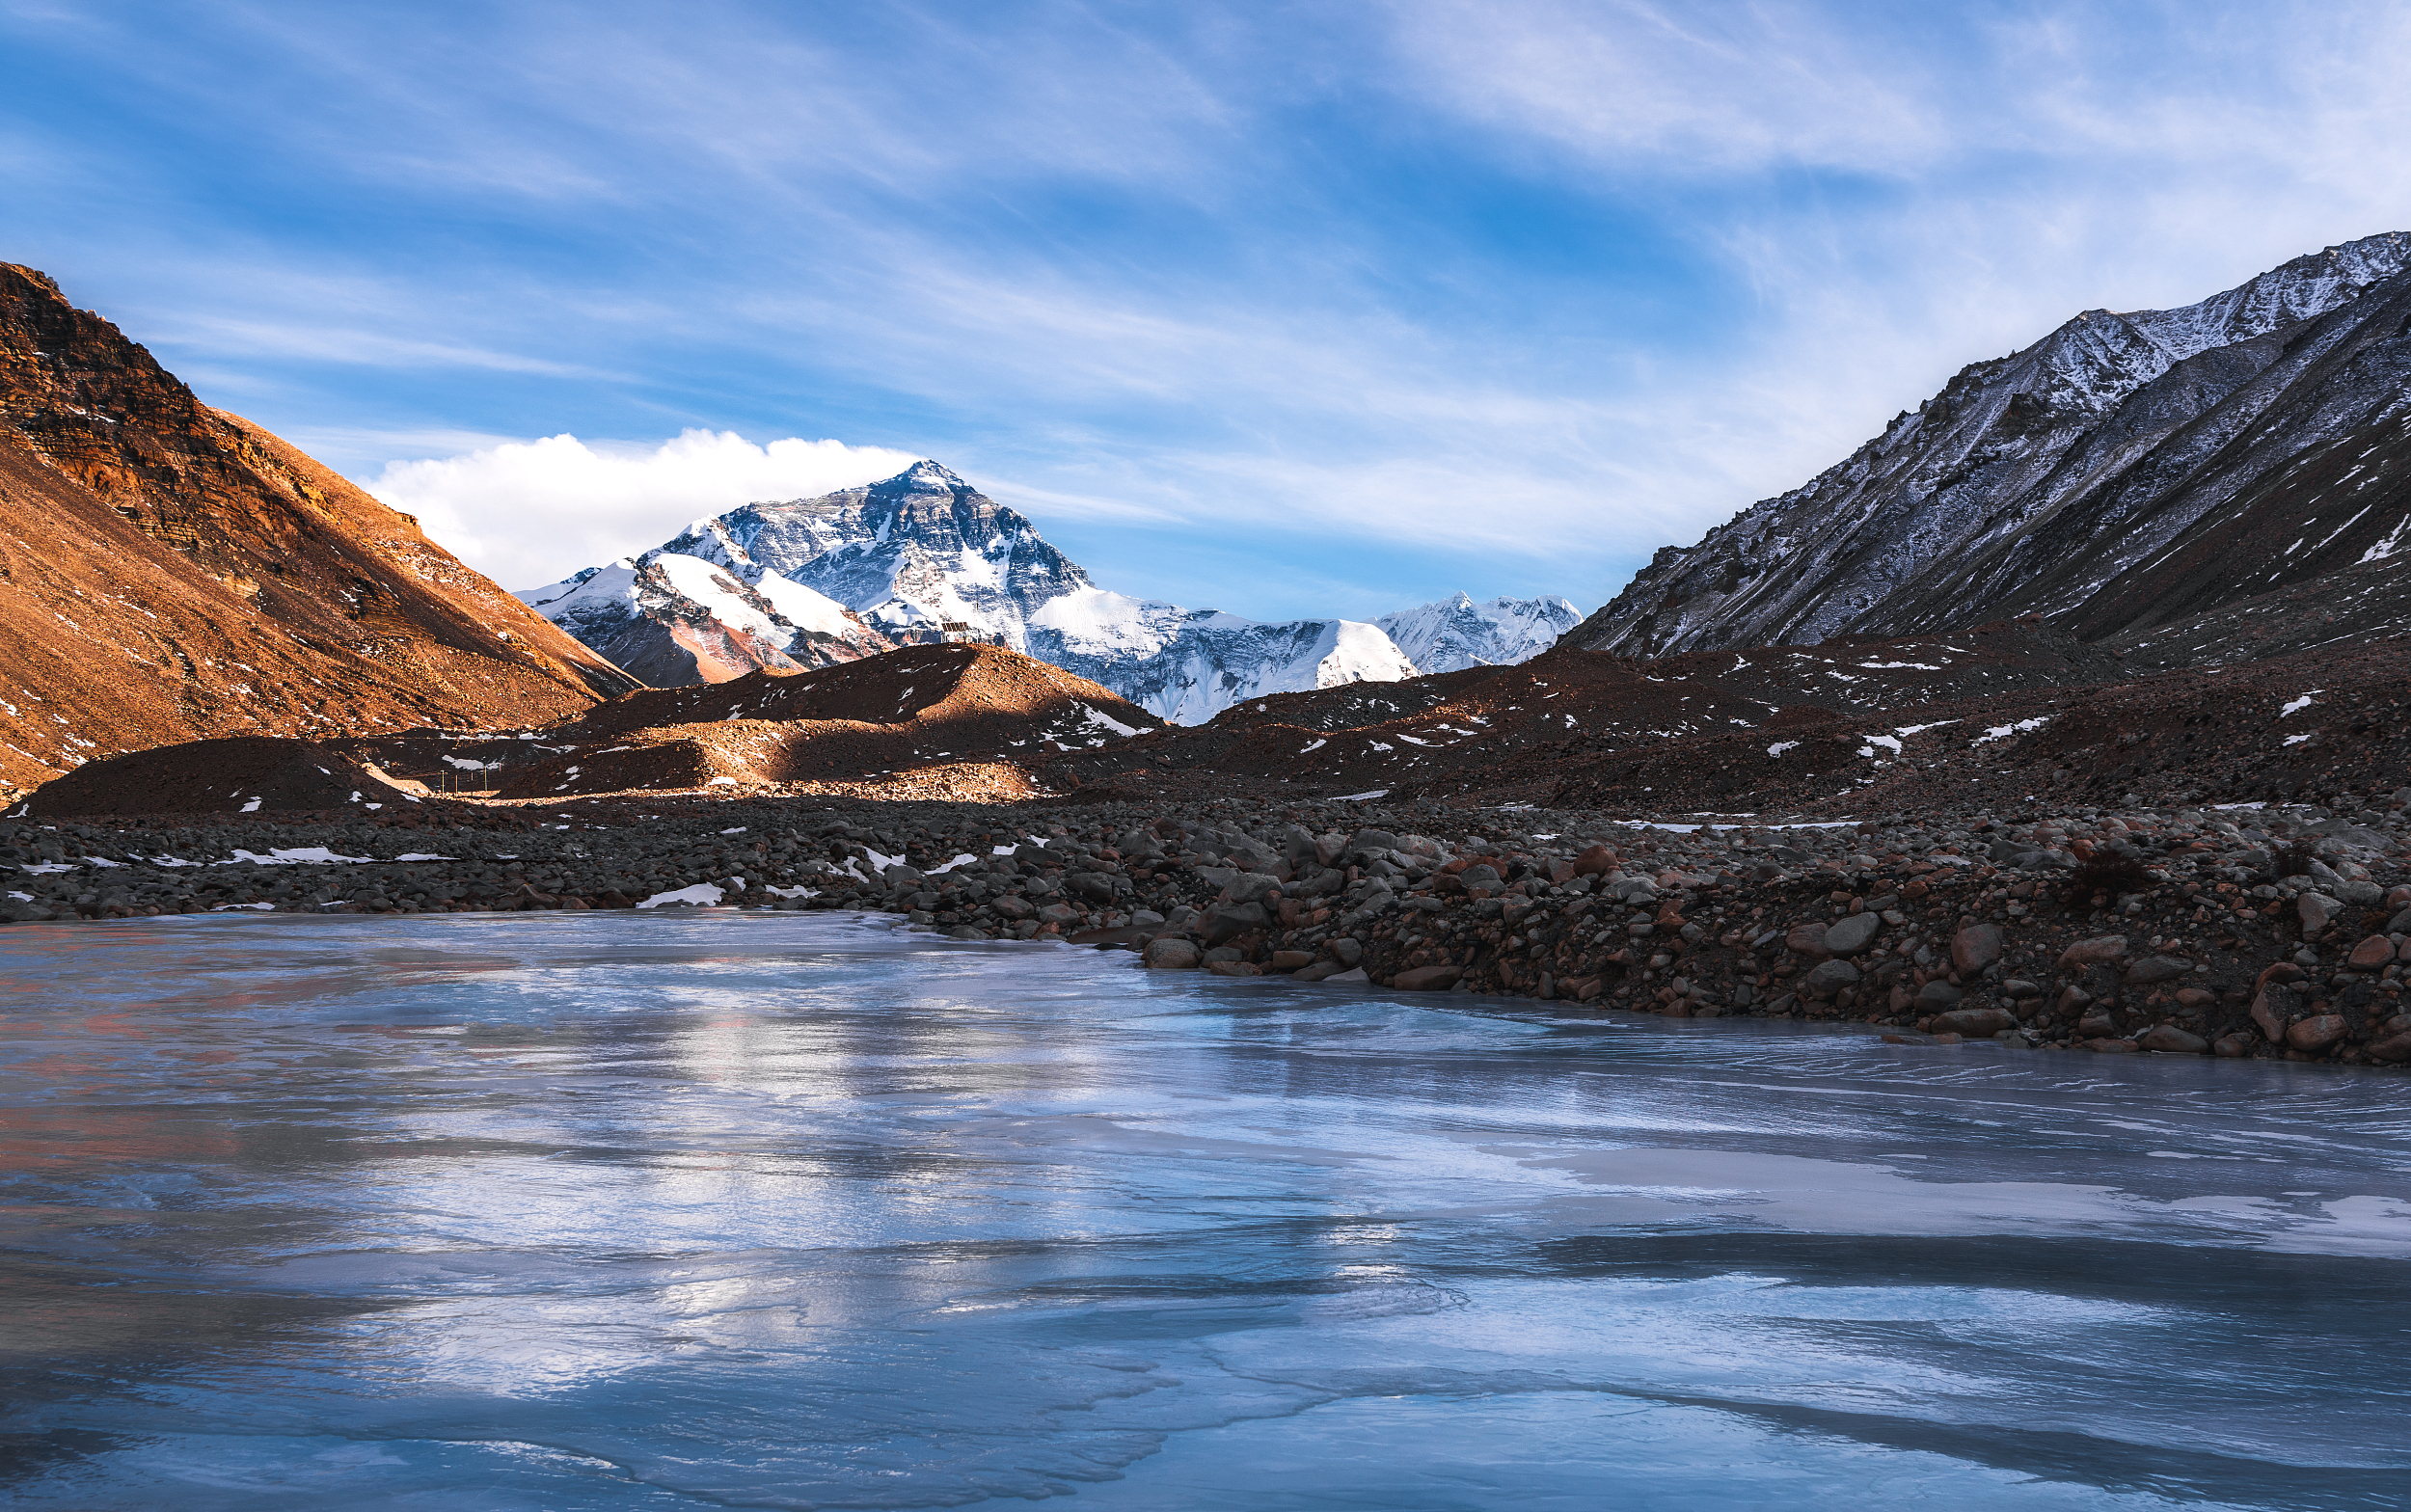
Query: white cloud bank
point(529, 512)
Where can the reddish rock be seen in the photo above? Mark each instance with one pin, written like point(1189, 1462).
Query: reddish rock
point(2156, 969)
point(2094, 952)
point(1597, 861)
point(2281, 972)
point(1425, 979)
point(2395, 1050)
point(1234, 968)
point(2317, 1033)
point(1975, 947)
point(2315, 911)
point(2173, 1040)
point(2372, 954)
point(1291, 960)
point(2110, 1046)
point(2264, 1014)
point(2232, 1046)
point(2195, 997)
point(1805, 939)
point(1976, 1022)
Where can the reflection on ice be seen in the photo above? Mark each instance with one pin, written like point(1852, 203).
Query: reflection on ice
point(798, 1211)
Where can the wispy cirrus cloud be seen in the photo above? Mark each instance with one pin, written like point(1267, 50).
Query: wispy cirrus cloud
point(1425, 295)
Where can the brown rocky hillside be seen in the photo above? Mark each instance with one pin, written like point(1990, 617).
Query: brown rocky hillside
point(169, 572)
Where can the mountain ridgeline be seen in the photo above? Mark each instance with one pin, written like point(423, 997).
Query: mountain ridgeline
point(924, 557)
point(2123, 477)
point(169, 572)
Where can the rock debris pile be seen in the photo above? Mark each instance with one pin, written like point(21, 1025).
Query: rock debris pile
point(2272, 932)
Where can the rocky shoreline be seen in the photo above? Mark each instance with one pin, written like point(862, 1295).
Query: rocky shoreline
point(2245, 931)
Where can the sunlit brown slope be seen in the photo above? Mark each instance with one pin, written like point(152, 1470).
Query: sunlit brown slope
point(169, 572)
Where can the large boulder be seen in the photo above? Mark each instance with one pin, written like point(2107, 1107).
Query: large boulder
point(2173, 1040)
point(2096, 952)
point(1849, 937)
point(1975, 947)
point(1171, 955)
point(1827, 977)
point(1972, 1022)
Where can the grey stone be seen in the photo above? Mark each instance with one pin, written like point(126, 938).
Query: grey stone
point(1849, 937)
point(1247, 887)
point(1170, 955)
point(1827, 977)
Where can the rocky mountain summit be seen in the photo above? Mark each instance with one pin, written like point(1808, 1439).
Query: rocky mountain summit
point(2122, 475)
point(169, 572)
point(925, 557)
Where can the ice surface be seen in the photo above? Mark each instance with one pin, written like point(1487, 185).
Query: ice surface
point(718, 1209)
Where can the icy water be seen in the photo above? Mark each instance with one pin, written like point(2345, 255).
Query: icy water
point(797, 1211)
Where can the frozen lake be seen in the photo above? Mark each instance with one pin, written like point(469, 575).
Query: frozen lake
point(547, 1211)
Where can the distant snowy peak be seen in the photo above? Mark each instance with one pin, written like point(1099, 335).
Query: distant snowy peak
point(915, 554)
point(1456, 633)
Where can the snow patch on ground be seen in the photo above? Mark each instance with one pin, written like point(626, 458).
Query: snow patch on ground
point(702, 895)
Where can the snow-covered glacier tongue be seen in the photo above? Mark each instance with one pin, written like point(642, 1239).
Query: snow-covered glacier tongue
point(924, 556)
point(1456, 633)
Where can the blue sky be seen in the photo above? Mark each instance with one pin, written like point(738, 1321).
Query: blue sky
point(1285, 309)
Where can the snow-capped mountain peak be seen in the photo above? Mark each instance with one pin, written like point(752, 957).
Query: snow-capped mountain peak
point(1457, 633)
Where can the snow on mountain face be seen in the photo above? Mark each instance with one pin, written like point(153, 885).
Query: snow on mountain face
point(1187, 665)
point(924, 556)
point(2060, 479)
point(1456, 633)
point(909, 554)
point(674, 619)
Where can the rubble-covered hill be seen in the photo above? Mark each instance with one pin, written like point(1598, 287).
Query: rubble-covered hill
point(2125, 472)
point(925, 721)
point(169, 572)
point(924, 557)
